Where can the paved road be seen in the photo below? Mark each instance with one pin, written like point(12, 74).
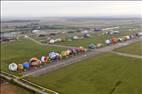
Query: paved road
point(54, 66)
point(52, 45)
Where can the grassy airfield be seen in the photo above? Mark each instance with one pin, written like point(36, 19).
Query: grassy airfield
point(102, 74)
point(135, 48)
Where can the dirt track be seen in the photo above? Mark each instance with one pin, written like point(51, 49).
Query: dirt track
point(128, 55)
point(52, 45)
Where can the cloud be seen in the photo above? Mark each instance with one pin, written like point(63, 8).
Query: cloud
point(70, 8)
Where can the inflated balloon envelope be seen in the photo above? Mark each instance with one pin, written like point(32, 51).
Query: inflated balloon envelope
point(52, 55)
point(44, 59)
point(20, 67)
point(13, 67)
point(26, 65)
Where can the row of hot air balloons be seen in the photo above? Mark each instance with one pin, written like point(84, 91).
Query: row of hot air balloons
point(114, 40)
point(52, 56)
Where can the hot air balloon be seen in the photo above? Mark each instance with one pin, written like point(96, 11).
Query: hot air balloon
point(52, 55)
point(120, 39)
point(127, 37)
point(108, 42)
point(77, 50)
point(20, 67)
point(63, 54)
point(58, 56)
point(139, 34)
point(114, 40)
point(35, 62)
point(82, 49)
point(68, 52)
point(99, 45)
point(26, 65)
point(91, 46)
point(74, 51)
point(52, 41)
point(45, 59)
point(13, 67)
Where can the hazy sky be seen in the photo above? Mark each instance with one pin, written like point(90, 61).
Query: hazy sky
point(70, 8)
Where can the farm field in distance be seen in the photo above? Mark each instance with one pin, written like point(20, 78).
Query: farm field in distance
point(135, 48)
point(96, 37)
point(98, 74)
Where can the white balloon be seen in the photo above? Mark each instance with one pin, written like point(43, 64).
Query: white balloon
point(107, 41)
point(43, 58)
point(13, 66)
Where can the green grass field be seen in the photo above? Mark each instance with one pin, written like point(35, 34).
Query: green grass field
point(21, 51)
point(96, 75)
point(86, 41)
point(135, 48)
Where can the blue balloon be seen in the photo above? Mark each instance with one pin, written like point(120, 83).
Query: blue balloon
point(26, 65)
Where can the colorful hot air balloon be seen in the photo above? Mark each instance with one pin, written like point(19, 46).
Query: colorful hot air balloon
point(74, 51)
point(45, 59)
point(127, 37)
point(108, 42)
point(20, 67)
point(120, 39)
point(35, 62)
point(91, 46)
point(77, 50)
point(26, 65)
point(64, 54)
point(68, 52)
point(82, 49)
point(52, 55)
point(99, 45)
point(58, 56)
point(114, 40)
point(13, 67)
